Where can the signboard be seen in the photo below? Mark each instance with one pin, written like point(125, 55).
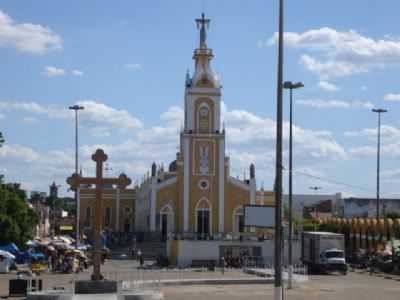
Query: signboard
point(66, 228)
point(259, 216)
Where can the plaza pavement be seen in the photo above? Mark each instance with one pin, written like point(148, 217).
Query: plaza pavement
point(356, 285)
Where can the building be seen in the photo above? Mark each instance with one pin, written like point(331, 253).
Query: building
point(316, 205)
point(118, 210)
point(366, 207)
point(197, 195)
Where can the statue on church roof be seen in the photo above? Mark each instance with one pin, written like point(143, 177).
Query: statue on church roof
point(202, 24)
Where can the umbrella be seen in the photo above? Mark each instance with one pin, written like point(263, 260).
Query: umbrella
point(30, 243)
point(6, 254)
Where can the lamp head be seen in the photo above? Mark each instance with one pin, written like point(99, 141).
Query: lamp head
point(291, 85)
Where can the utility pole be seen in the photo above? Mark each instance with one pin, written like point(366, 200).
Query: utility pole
point(379, 111)
point(76, 108)
point(278, 290)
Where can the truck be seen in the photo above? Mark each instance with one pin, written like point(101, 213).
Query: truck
point(324, 252)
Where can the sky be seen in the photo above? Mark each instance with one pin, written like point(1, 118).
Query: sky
point(125, 62)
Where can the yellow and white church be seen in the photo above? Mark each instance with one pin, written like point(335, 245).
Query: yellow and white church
point(197, 195)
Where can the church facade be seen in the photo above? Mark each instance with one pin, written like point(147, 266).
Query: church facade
point(197, 194)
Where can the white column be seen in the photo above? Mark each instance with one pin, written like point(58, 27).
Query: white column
point(186, 184)
point(118, 195)
point(221, 184)
point(153, 194)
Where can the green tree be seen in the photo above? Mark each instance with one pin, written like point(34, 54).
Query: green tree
point(17, 219)
point(393, 215)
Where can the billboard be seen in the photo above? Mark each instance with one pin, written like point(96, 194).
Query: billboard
point(259, 216)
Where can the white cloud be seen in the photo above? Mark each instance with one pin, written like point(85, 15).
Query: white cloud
point(330, 68)
point(387, 132)
point(392, 97)
point(27, 37)
point(96, 116)
point(326, 104)
point(343, 52)
point(327, 86)
point(250, 138)
point(18, 152)
point(245, 128)
point(77, 72)
point(133, 66)
point(50, 71)
point(100, 113)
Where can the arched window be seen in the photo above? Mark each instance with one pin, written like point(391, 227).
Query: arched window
point(127, 225)
point(107, 220)
point(204, 118)
point(238, 220)
point(203, 217)
point(166, 220)
point(88, 216)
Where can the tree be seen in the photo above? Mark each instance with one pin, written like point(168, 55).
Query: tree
point(17, 219)
point(393, 215)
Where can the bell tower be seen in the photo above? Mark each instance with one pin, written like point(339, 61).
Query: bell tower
point(202, 90)
point(203, 144)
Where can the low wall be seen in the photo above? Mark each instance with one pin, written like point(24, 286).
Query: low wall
point(182, 252)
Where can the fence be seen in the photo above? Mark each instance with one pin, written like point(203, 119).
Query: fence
point(264, 267)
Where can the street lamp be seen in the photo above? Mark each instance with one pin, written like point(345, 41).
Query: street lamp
point(76, 108)
point(291, 86)
point(379, 111)
point(278, 290)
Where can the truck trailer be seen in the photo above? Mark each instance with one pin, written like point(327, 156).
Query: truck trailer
point(324, 252)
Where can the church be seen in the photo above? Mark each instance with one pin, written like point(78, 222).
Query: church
point(197, 198)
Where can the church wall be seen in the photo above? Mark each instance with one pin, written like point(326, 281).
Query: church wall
point(234, 196)
point(179, 203)
point(165, 196)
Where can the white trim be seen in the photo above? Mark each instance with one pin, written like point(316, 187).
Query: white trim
point(167, 182)
point(221, 184)
point(203, 209)
point(239, 183)
point(186, 184)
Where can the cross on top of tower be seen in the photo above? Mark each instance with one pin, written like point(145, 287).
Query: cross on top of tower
point(202, 24)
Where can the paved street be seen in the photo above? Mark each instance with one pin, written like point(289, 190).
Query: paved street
point(353, 286)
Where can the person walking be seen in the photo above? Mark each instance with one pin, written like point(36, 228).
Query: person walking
point(223, 265)
point(140, 257)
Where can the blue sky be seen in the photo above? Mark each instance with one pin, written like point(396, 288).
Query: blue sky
point(126, 61)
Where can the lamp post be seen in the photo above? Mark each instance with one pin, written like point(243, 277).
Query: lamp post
point(278, 291)
point(291, 86)
point(76, 108)
point(379, 111)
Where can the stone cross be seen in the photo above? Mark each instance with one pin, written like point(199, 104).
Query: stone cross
point(76, 180)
